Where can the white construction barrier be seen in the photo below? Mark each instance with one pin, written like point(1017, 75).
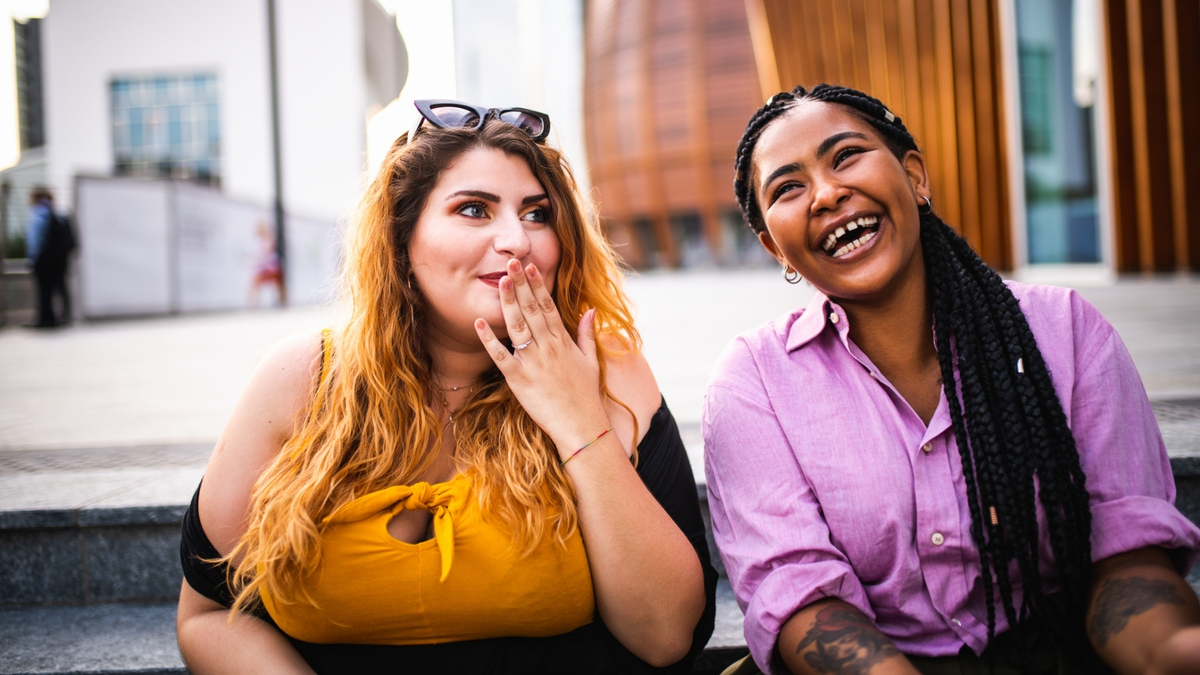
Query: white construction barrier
point(158, 247)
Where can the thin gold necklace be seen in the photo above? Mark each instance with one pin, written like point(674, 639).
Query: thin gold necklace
point(446, 400)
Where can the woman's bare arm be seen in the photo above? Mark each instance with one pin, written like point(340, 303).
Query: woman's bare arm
point(832, 636)
point(648, 580)
point(264, 417)
point(1143, 617)
point(211, 643)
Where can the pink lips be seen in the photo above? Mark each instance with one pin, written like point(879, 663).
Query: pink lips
point(493, 279)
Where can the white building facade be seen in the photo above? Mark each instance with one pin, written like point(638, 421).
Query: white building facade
point(199, 75)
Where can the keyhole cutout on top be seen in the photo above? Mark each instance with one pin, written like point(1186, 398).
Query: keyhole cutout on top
point(411, 527)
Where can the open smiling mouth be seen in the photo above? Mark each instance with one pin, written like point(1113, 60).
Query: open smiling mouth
point(851, 236)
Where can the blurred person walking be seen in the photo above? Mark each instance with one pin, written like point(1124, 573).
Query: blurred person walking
point(50, 242)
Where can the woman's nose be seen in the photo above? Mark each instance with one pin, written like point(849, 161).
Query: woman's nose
point(511, 238)
point(827, 195)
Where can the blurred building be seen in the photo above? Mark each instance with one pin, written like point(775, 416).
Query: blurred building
point(494, 53)
point(18, 181)
point(168, 132)
point(669, 87)
point(1058, 132)
point(174, 89)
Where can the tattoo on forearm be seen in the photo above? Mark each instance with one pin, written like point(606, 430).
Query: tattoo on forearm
point(845, 642)
point(1119, 600)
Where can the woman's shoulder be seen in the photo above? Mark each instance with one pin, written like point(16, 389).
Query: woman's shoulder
point(1056, 311)
point(631, 381)
point(264, 418)
point(742, 362)
point(293, 361)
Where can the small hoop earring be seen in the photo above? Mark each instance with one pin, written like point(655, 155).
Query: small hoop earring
point(927, 207)
point(790, 275)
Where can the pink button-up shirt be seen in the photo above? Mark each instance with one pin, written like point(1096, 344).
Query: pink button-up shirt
point(823, 482)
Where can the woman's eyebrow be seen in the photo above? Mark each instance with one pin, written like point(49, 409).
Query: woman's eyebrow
point(533, 199)
point(827, 144)
point(475, 193)
point(785, 169)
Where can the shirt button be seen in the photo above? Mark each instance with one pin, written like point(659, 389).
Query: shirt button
point(956, 622)
point(927, 448)
point(874, 377)
point(833, 317)
point(937, 539)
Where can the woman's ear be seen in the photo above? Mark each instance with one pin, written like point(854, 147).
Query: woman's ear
point(768, 243)
point(914, 166)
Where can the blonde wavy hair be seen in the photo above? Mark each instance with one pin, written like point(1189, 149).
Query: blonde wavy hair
point(370, 424)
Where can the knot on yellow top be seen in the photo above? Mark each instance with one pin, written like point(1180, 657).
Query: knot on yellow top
point(422, 496)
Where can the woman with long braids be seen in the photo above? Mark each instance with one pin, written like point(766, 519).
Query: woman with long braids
point(928, 469)
point(476, 472)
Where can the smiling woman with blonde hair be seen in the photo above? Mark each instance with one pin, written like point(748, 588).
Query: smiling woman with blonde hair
point(477, 472)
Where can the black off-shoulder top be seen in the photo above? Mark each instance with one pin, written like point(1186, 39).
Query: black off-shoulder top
point(590, 650)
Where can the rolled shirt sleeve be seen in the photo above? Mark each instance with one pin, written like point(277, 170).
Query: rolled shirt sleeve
point(767, 522)
point(1129, 479)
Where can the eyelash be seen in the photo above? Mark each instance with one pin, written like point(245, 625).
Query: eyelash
point(779, 191)
point(469, 205)
point(844, 154)
point(545, 213)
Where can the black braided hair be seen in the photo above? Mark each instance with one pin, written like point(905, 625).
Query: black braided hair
point(1017, 450)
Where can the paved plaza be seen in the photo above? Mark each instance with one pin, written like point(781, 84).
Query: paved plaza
point(121, 413)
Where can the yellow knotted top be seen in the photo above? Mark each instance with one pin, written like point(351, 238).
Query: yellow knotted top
point(467, 583)
point(434, 498)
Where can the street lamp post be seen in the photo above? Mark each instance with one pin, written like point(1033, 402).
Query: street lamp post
point(280, 242)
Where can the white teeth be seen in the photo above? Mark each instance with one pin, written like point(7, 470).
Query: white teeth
point(861, 241)
point(831, 240)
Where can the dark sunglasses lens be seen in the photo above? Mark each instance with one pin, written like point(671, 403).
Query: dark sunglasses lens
point(453, 116)
point(530, 124)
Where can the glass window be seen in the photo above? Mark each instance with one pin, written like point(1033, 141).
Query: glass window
point(1055, 41)
point(167, 126)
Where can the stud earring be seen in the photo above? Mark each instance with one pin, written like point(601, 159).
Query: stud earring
point(790, 275)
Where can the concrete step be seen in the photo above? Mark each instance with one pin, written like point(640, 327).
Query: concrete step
point(89, 567)
point(98, 526)
point(113, 639)
point(139, 638)
point(101, 552)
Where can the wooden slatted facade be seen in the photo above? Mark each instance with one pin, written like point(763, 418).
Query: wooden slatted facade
point(1153, 55)
point(669, 86)
point(936, 63)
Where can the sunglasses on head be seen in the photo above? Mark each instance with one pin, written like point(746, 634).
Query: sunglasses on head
point(446, 114)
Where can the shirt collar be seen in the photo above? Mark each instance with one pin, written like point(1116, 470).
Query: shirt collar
point(811, 322)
